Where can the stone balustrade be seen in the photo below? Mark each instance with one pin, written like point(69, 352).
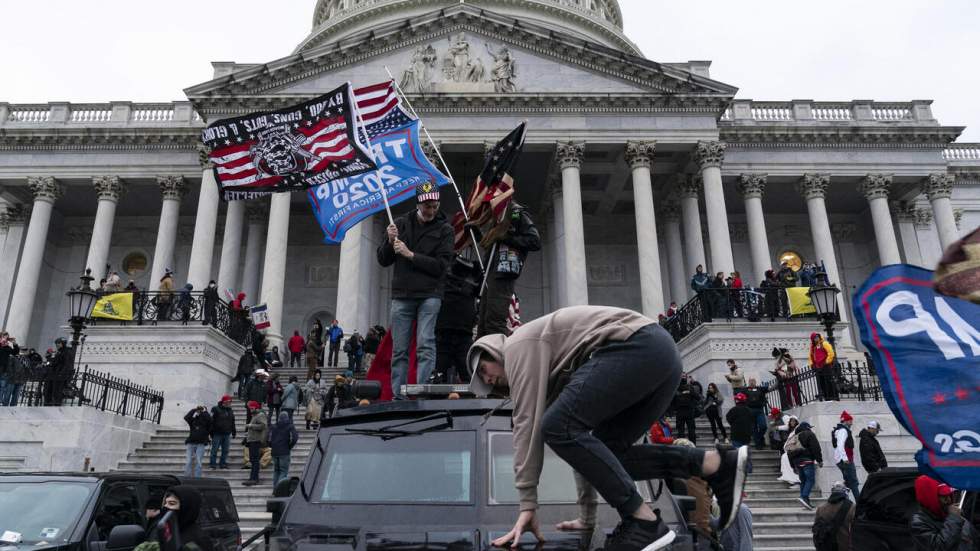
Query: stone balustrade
point(812, 112)
point(962, 152)
point(60, 114)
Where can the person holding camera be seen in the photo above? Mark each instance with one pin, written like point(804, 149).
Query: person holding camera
point(199, 421)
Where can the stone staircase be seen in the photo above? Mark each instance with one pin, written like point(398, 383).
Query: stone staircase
point(778, 519)
point(165, 453)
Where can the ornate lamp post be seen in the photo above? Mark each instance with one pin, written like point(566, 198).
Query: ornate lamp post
point(81, 299)
point(824, 299)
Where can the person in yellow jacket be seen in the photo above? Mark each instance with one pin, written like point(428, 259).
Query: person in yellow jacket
point(822, 359)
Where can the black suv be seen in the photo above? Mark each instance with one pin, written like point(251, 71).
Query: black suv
point(78, 511)
point(431, 474)
point(886, 505)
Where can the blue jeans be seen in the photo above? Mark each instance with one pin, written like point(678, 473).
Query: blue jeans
point(280, 469)
point(610, 401)
point(195, 459)
point(759, 432)
point(222, 441)
point(808, 476)
point(403, 312)
point(850, 478)
point(10, 393)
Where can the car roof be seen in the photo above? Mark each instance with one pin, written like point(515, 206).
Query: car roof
point(82, 476)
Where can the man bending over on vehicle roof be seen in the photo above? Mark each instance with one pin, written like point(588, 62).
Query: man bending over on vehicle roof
point(589, 381)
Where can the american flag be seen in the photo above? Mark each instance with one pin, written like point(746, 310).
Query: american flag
point(305, 145)
point(492, 192)
point(513, 313)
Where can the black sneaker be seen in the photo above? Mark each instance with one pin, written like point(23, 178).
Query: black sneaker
point(805, 501)
point(729, 483)
point(634, 534)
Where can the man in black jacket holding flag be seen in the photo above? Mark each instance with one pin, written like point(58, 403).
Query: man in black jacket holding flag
point(509, 253)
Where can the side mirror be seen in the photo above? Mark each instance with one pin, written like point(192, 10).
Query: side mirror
point(366, 390)
point(125, 537)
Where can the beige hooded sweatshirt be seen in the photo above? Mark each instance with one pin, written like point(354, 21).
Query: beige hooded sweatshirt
point(539, 359)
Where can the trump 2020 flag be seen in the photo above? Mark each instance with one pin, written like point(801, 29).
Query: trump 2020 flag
point(291, 149)
point(926, 350)
point(342, 203)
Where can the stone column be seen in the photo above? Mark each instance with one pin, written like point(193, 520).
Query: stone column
point(675, 253)
point(205, 224)
point(905, 216)
point(173, 189)
point(938, 188)
point(274, 272)
point(813, 187)
point(639, 155)
point(690, 187)
point(253, 252)
point(709, 156)
point(46, 191)
point(558, 230)
point(875, 188)
point(752, 186)
point(14, 218)
point(927, 246)
point(576, 279)
point(231, 246)
point(354, 278)
point(110, 189)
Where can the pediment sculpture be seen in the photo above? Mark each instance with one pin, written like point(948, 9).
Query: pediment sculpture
point(462, 69)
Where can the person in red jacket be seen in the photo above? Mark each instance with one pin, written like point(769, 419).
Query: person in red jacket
point(296, 346)
point(661, 433)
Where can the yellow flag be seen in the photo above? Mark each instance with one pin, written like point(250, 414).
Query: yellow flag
point(799, 301)
point(117, 306)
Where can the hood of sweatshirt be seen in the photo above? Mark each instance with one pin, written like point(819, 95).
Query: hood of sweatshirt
point(492, 345)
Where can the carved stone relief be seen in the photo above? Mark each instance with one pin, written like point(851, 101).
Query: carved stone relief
point(462, 69)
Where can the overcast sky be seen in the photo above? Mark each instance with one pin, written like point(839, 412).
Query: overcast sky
point(887, 50)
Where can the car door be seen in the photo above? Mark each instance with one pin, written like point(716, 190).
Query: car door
point(119, 505)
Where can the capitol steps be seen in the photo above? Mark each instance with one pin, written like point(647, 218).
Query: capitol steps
point(779, 521)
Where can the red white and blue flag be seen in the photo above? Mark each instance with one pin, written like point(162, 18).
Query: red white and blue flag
point(296, 148)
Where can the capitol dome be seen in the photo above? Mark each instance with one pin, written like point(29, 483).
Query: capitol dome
point(599, 21)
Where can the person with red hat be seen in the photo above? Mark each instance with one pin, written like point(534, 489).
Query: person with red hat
point(742, 420)
point(938, 524)
point(843, 443)
point(222, 431)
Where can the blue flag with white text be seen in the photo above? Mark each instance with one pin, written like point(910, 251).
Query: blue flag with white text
point(340, 204)
point(926, 350)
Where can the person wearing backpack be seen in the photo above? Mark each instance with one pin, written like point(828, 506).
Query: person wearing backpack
point(832, 522)
point(805, 455)
point(843, 443)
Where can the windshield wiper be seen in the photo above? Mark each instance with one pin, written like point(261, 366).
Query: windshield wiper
point(394, 431)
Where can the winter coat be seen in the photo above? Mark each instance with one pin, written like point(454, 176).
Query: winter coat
point(257, 430)
point(522, 236)
point(166, 289)
point(210, 297)
point(282, 436)
point(335, 333)
point(7, 351)
point(713, 400)
point(872, 457)
point(255, 390)
point(700, 282)
point(341, 395)
point(821, 355)
point(313, 353)
point(290, 397)
point(811, 447)
point(191, 533)
point(199, 422)
point(239, 303)
point(787, 277)
point(828, 512)
point(686, 401)
point(660, 433)
point(18, 370)
point(742, 420)
point(371, 344)
point(458, 310)
point(273, 393)
point(296, 344)
point(185, 295)
point(432, 243)
point(223, 421)
point(755, 397)
point(932, 528)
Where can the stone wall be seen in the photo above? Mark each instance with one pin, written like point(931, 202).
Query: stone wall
point(192, 365)
point(61, 438)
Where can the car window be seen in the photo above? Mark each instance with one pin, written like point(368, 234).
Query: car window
point(556, 484)
point(434, 467)
point(120, 505)
point(42, 511)
point(217, 506)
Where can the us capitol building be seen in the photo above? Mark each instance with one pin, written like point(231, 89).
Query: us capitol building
point(635, 172)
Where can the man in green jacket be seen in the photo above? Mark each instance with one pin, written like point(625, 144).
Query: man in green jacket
point(590, 381)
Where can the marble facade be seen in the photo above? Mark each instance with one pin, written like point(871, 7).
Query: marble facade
point(634, 171)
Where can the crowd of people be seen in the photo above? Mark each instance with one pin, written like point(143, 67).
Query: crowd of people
point(48, 378)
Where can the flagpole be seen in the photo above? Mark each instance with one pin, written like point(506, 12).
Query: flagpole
point(459, 196)
point(367, 137)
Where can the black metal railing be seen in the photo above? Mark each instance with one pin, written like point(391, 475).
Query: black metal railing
point(770, 304)
point(855, 380)
point(154, 307)
point(37, 385)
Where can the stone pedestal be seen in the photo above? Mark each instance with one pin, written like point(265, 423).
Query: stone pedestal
point(192, 365)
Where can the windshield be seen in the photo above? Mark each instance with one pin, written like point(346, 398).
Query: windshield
point(432, 467)
point(556, 484)
point(32, 512)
